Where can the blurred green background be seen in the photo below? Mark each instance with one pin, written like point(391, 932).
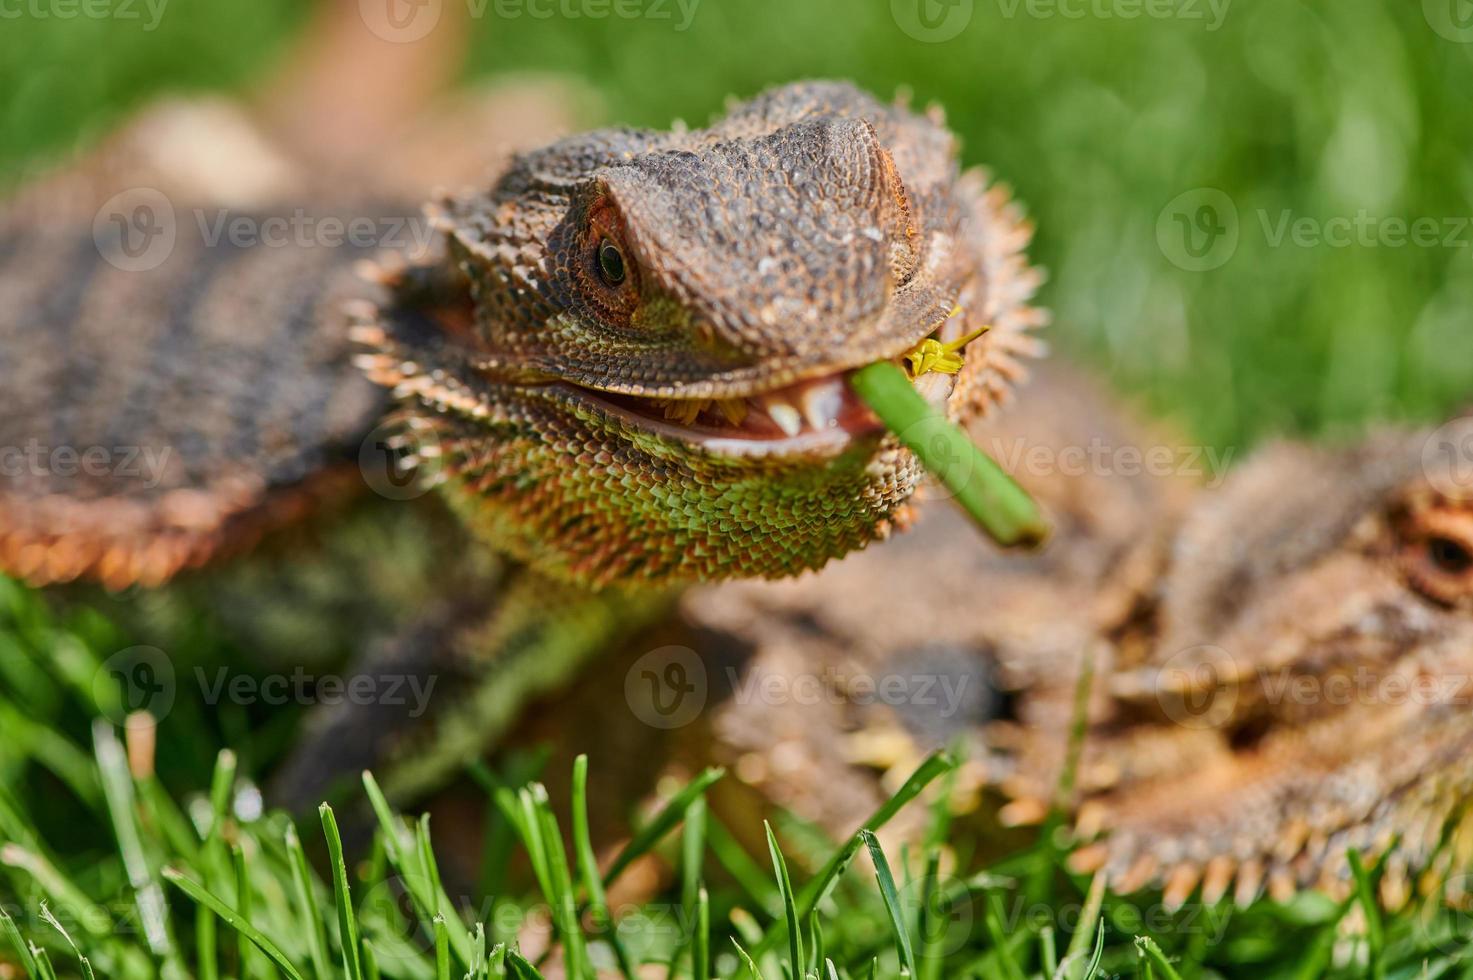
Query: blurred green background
point(1109, 117)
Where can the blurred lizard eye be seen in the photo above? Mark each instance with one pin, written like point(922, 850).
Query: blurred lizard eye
point(1437, 553)
point(610, 263)
point(1451, 557)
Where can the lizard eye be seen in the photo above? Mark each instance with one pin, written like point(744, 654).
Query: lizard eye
point(1437, 553)
point(610, 263)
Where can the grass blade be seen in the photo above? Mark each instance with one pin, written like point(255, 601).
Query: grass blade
point(1375, 929)
point(747, 960)
point(117, 790)
point(1152, 954)
point(662, 823)
point(701, 947)
point(303, 887)
point(988, 494)
point(588, 869)
point(198, 892)
point(51, 920)
point(790, 907)
point(405, 852)
point(892, 901)
point(22, 948)
point(342, 897)
point(935, 765)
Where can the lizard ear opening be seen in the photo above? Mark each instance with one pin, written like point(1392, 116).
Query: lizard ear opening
point(1435, 550)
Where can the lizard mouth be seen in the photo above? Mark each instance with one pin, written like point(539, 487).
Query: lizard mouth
point(818, 416)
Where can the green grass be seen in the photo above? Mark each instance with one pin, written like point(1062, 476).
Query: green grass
point(1311, 109)
point(1290, 107)
point(105, 873)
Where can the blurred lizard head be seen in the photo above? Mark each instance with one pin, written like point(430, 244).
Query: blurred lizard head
point(659, 327)
point(1310, 550)
point(1308, 688)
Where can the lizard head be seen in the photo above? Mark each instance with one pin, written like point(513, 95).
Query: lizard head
point(1309, 687)
point(651, 364)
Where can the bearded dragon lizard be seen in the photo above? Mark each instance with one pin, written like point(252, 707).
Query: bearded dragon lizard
point(622, 357)
point(1279, 669)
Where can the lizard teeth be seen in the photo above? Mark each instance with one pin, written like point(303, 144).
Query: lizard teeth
point(784, 415)
point(822, 404)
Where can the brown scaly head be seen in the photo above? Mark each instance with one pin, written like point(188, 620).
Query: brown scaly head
point(633, 362)
point(1304, 689)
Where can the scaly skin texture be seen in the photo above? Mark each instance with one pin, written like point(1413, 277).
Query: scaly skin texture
point(687, 422)
point(685, 418)
point(1281, 666)
point(611, 436)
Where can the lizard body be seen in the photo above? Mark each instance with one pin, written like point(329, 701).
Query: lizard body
point(624, 357)
point(1280, 667)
